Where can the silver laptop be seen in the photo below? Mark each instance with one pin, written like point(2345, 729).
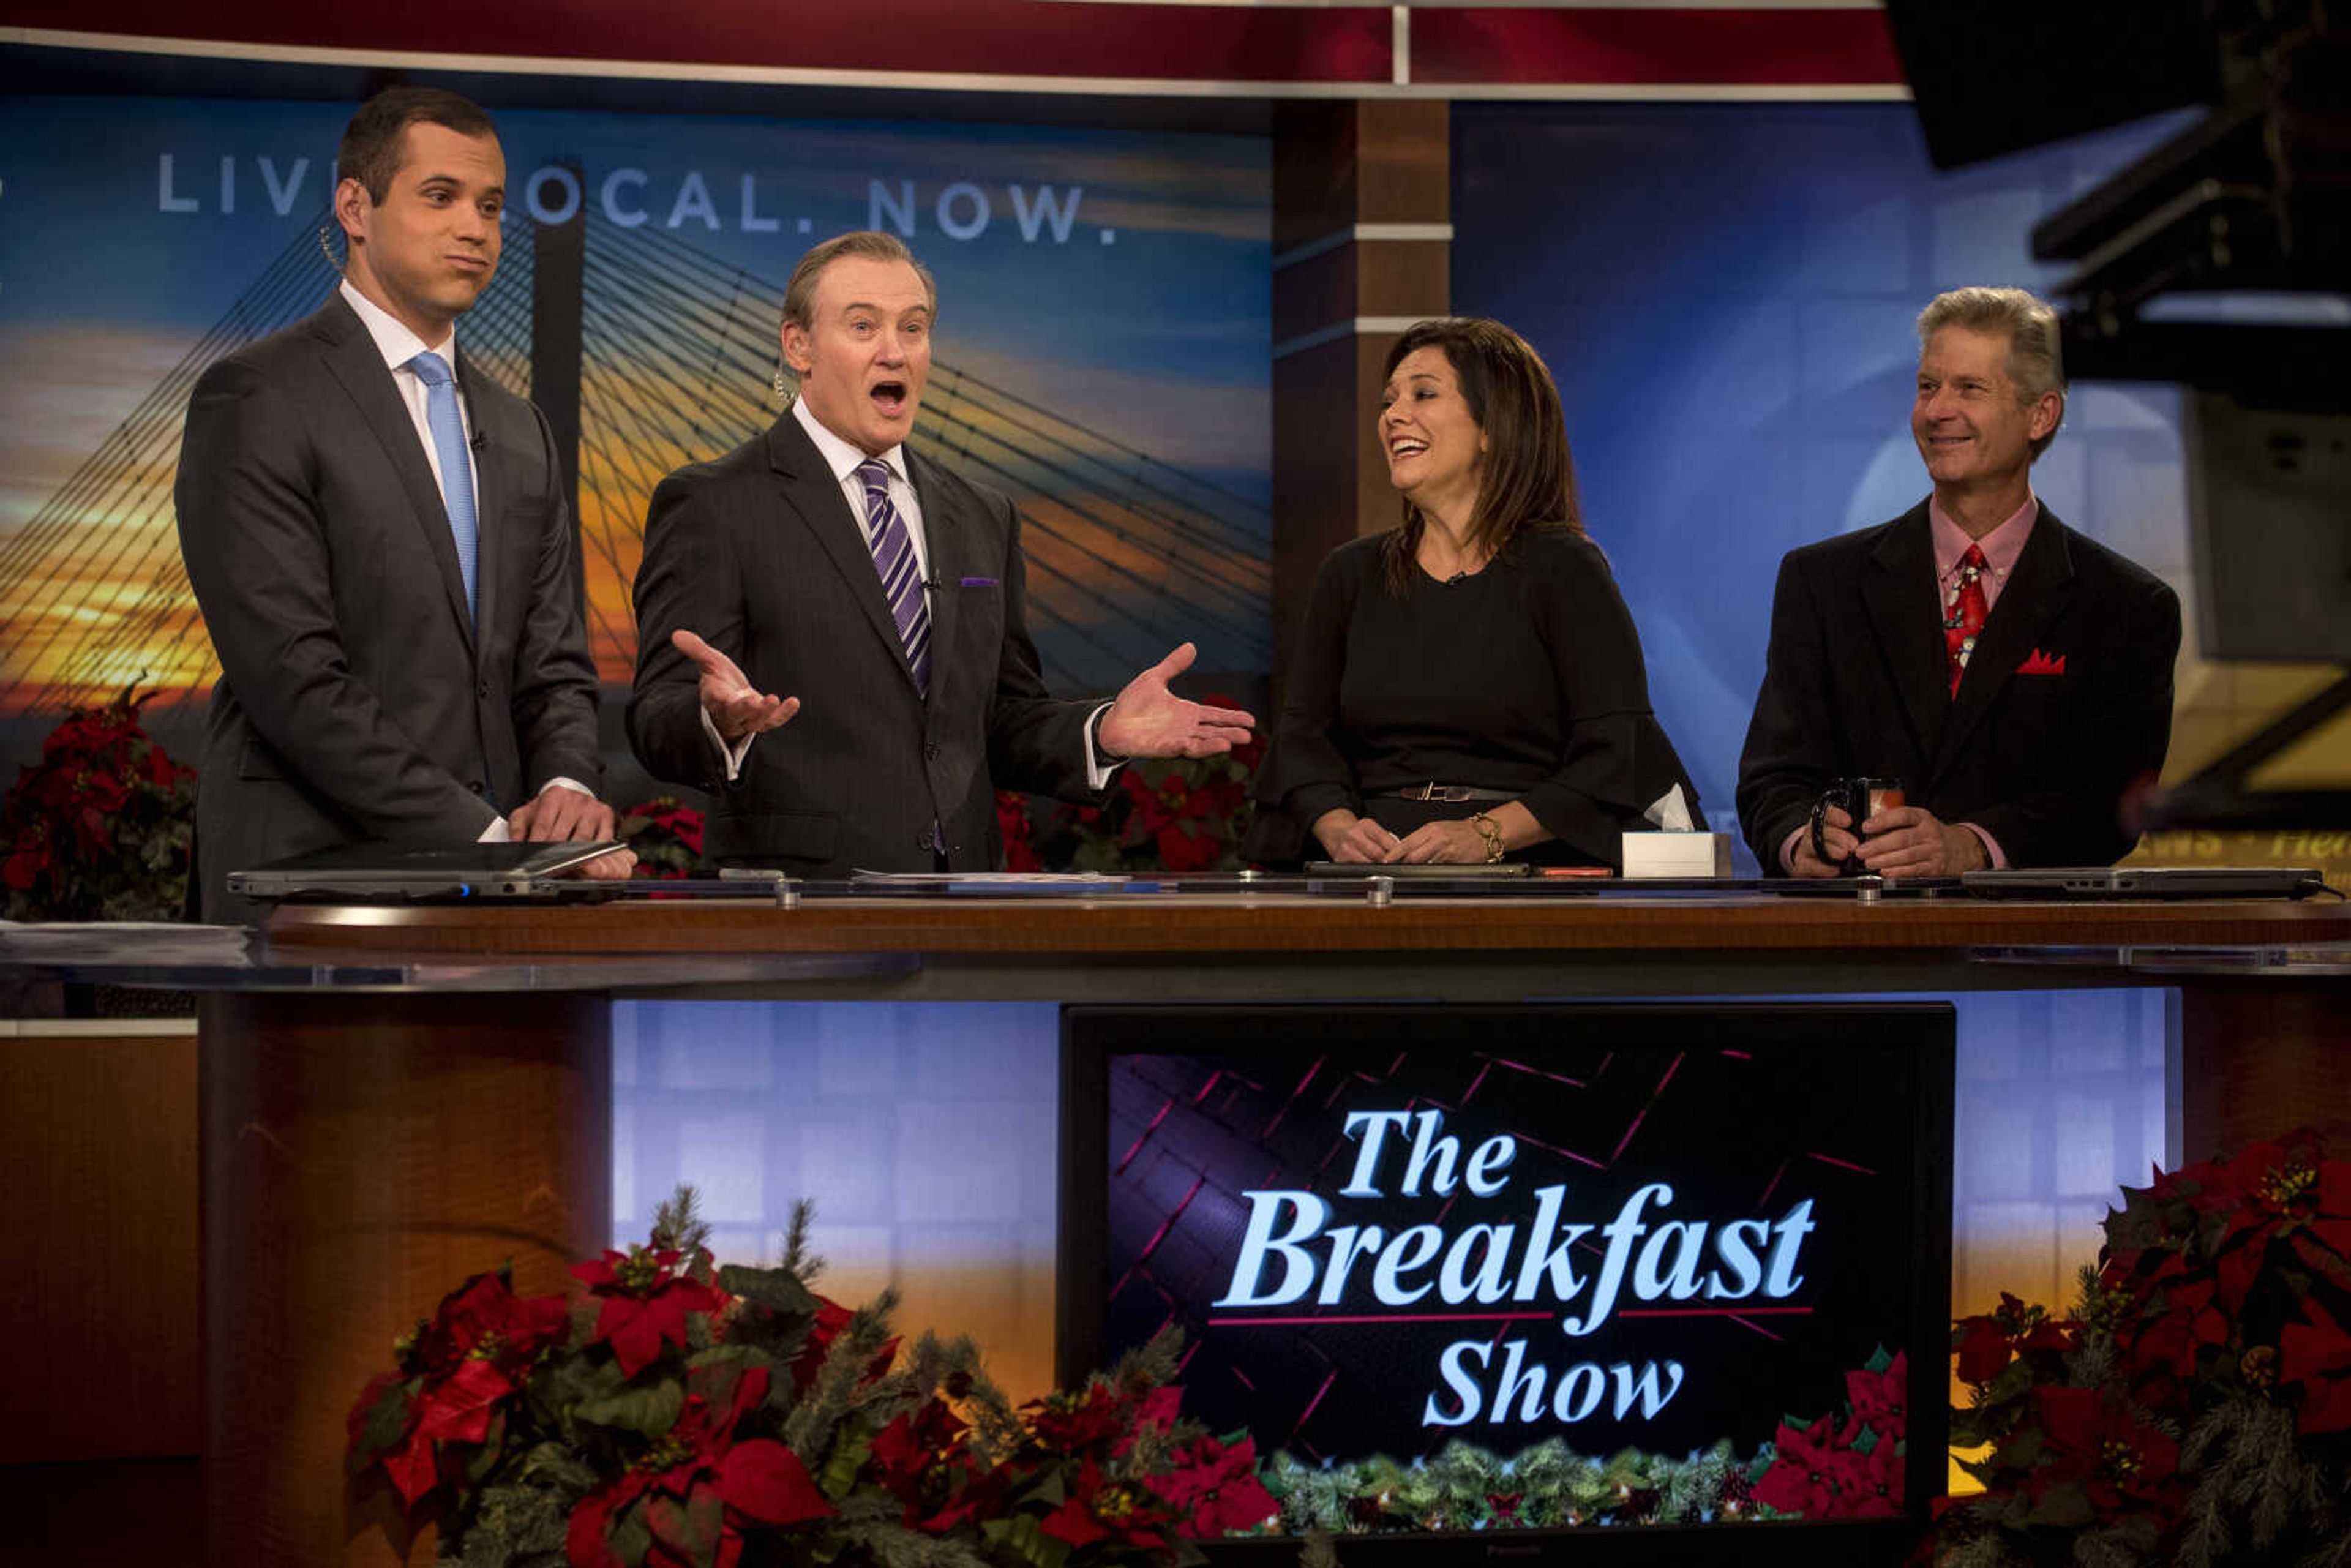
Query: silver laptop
point(2114, 881)
point(373, 873)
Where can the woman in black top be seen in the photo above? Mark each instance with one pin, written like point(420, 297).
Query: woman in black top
point(1468, 686)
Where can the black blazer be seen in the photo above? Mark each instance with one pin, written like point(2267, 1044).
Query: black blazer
point(759, 553)
point(2066, 701)
point(357, 699)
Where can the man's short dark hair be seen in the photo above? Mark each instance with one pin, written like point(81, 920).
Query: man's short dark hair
point(372, 145)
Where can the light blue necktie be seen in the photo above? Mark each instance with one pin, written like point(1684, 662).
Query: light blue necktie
point(456, 466)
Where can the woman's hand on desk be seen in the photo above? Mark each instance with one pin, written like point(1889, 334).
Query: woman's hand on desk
point(1344, 836)
point(1455, 843)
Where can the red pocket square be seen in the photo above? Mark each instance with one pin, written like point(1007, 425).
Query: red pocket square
point(2041, 663)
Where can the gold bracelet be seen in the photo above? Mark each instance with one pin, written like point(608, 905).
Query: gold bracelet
point(1490, 831)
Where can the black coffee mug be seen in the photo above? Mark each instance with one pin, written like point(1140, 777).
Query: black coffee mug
point(1859, 798)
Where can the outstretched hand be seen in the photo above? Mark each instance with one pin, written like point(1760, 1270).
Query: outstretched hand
point(736, 707)
point(1149, 720)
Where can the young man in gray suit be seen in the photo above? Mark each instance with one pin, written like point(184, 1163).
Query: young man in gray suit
point(379, 539)
point(883, 592)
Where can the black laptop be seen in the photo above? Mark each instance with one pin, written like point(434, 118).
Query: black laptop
point(2094, 882)
point(372, 874)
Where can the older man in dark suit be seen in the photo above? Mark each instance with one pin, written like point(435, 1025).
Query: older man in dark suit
point(883, 592)
point(2014, 676)
point(379, 539)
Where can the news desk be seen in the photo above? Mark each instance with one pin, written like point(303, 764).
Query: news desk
point(393, 1099)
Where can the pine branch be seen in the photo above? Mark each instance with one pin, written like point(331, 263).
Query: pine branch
point(799, 1259)
point(678, 1225)
point(1153, 1365)
point(807, 1430)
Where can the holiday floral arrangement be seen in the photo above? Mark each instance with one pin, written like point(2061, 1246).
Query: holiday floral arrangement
point(1845, 1464)
point(99, 829)
point(665, 835)
point(677, 1413)
point(2195, 1407)
point(1173, 815)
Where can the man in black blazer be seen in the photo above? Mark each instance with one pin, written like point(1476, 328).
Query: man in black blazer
point(884, 591)
point(2015, 691)
point(399, 661)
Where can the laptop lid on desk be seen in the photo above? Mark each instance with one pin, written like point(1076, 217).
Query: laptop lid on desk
point(372, 873)
point(2106, 882)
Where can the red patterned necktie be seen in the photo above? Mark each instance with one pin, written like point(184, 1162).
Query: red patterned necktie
point(1963, 612)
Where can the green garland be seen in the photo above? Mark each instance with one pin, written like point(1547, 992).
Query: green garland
point(1546, 1487)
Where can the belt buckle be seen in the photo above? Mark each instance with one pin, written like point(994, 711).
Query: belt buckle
point(1419, 792)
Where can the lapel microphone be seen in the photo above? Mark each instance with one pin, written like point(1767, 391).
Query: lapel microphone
point(476, 438)
point(1456, 577)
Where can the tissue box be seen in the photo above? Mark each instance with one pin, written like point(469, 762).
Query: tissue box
point(1677, 855)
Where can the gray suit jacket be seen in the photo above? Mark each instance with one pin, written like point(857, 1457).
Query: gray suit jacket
point(759, 553)
point(356, 700)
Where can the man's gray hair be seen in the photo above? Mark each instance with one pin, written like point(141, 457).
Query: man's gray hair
point(2035, 363)
point(799, 294)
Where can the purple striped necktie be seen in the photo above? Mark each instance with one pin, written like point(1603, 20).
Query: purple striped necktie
point(893, 559)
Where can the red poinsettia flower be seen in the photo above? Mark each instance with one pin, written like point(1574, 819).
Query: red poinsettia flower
point(699, 1487)
point(1107, 1511)
point(2096, 1443)
point(1182, 850)
point(1988, 1341)
point(1019, 835)
point(646, 1299)
point(1867, 1486)
point(2164, 1351)
point(1068, 1423)
point(2227, 1213)
point(1152, 812)
point(1803, 1476)
point(475, 1351)
point(922, 1458)
point(831, 1320)
point(26, 863)
point(1217, 1486)
point(2317, 1355)
point(1879, 1399)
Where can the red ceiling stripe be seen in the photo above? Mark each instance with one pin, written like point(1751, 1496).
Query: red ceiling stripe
point(1620, 45)
point(1006, 37)
point(1625, 46)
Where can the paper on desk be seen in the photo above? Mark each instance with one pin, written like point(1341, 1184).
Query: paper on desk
point(1670, 811)
point(1007, 879)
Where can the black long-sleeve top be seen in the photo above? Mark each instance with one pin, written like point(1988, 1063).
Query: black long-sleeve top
point(1525, 678)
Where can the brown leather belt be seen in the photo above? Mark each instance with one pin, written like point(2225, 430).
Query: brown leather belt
point(1443, 792)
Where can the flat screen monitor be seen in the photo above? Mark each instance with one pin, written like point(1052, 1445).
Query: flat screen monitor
point(1515, 1280)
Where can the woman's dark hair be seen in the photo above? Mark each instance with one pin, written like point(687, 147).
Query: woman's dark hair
point(1528, 477)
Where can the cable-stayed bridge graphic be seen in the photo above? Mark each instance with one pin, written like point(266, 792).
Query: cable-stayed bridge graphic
point(670, 350)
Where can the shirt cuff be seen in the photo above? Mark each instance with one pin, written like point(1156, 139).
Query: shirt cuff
point(497, 832)
point(1788, 850)
point(1098, 772)
point(731, 755)
point(1990, 844)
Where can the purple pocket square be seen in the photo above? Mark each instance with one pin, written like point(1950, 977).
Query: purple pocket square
point(978, 582)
